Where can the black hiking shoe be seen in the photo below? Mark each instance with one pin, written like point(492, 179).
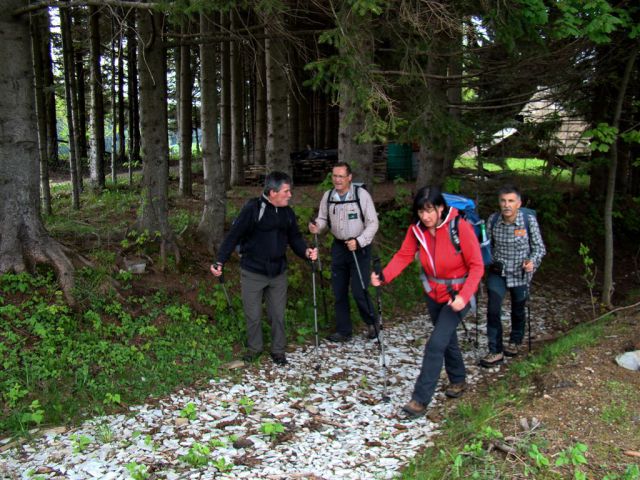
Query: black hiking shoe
point(338, 337)
point(250, 356)
point(279, 358)
point(372, 331)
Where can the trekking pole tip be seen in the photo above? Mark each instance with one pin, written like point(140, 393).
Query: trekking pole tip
point(386, 398)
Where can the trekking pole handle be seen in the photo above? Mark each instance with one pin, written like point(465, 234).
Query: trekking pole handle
point(377, 268)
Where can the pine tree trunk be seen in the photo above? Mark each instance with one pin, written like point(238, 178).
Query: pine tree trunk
point(185, 122)
point(114, 104)
point(607, 283)
point(80, 105)
point(211, 227)
point(122, 157)
point(237, 117)
point(23, 240)
point(305, 128)
point(38, 72)
point(154, 212)
point(50, 97)
point(225, 102)
point(96, 161)
point(352, 121)
point(260, 142)
point(69, 100)
point(134, 117)
point(433, 149)
point(277, 89)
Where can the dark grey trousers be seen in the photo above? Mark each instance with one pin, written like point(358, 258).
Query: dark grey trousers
point(255, 287)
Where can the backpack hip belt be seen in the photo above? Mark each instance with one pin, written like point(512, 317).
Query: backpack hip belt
point(442, 281)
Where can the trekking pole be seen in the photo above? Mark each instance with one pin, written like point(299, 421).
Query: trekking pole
point(379, 334)
point(315, 315)
point(226, 294)
point(385, 397)
point(322, 288)
point(528, 298)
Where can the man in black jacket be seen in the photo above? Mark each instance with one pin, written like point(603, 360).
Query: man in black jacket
point(264, 228)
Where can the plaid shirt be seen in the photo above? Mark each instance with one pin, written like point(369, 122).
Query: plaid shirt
point(512, 244)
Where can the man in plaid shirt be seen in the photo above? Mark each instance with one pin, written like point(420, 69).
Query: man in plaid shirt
point(517, 250)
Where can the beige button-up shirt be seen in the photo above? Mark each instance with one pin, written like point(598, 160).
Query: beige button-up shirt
point(346, 221)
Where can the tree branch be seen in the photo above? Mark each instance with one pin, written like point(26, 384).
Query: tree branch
point(81, 3)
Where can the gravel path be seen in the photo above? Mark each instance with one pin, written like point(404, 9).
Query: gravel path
point(335, 424)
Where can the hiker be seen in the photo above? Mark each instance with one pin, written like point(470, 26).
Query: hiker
point(347, 210)
point(517, 250)
point(263, 229)
point(450, 280)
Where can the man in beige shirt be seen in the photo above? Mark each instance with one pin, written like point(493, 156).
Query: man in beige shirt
point(348, 212)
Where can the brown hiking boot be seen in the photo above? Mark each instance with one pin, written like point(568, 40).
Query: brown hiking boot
point(492, 360)
point(414, 409)
point(511, 350)
point(455, 390)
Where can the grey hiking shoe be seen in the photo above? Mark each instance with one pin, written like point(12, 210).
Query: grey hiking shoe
point(492, 360)
point(511, 349)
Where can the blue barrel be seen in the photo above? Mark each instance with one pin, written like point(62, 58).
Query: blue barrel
point(399, 162)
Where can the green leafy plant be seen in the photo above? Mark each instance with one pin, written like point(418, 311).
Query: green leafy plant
point(222, 465)
point(197, 456)
point(272, 429)
point(574, 456)
point(34, 415)
point(589, 273)
point(216, 443)
point(79, 443)
point(111, 399)
point(246, 405)
point(189, 412)
point(138, 471)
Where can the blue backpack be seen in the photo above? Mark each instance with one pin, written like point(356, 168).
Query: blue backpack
point(467, 209)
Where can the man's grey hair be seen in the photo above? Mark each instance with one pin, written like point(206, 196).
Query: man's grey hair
point(506, 189)
point(275, 180)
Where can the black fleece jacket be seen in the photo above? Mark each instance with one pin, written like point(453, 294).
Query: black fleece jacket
point(263, 243)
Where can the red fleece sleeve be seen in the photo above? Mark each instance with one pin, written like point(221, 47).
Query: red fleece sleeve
point(403, 257)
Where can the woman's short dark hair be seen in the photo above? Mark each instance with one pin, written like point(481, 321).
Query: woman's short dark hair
point(429, 196)
point(275, 180)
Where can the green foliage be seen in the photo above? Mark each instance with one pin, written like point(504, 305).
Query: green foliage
point(190, 411)
point(138, 471)
point(222, 465)
point(80, 443)
point(596, 20)
point(601, 137)
point(589, 273)
point(272, 429)
point(246, 405)
point(198, 455)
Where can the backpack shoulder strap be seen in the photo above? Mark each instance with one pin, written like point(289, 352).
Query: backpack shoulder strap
point(356, 189)
point(328, 204)
point(454, 234)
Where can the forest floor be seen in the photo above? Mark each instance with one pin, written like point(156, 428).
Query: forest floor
point(334, 424)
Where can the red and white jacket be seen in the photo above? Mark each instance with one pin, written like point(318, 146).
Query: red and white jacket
point(439, 259)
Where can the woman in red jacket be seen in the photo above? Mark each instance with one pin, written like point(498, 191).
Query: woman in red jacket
point(450, 280)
